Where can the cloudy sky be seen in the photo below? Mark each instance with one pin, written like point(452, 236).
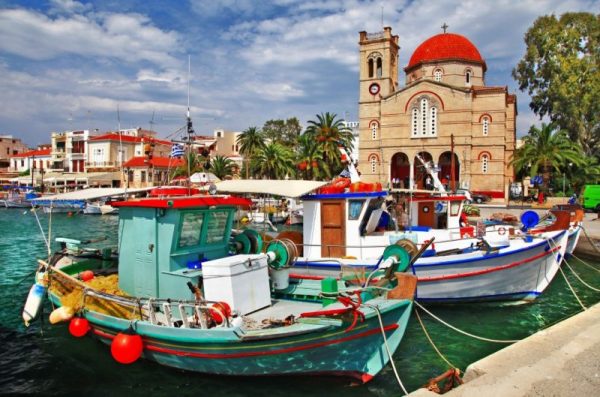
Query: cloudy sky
point(67, 65)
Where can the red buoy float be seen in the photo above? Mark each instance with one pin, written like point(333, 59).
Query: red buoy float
point(79, 326)
point(220, 311)
point(126, 347)
point(86, 275)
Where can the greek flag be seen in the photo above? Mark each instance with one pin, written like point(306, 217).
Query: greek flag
point(345, 174)
point(177, 151)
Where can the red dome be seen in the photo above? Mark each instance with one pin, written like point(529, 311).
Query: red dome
point(445, 46)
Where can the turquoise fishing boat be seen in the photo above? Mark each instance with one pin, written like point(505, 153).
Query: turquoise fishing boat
point(192, 293)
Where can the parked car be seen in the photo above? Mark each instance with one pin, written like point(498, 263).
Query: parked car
point(473, 197)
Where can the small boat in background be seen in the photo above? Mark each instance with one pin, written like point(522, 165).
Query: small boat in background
point(99, 208)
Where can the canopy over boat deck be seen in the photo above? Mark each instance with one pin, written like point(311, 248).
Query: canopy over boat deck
point(91, 194)
point(275, 187)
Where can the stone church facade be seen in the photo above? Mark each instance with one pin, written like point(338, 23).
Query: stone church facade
point(443, 113)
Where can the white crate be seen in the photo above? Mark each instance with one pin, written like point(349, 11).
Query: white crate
point(241, 280)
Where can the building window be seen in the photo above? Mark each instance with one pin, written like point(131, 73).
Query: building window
point(379, 68)
point(437, 75)
point(373, 164)
point(433, 120)
point(143, 176)
point(485, 159)
point(424, 118)
point(373, 130)
point(485, 125)
point(371, 68)
point(468, 77)
point(415, 122)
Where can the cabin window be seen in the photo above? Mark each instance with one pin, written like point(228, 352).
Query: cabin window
point(454, 207)
point(354, 209)
point(191, 227)
point(216, 227)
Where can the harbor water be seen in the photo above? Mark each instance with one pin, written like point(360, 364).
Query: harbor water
point(47, 359)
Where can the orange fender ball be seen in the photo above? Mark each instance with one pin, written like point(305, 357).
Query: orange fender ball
point(86, 275)
point(79, 326)
point(126, 348)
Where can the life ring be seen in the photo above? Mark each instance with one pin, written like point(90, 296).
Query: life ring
point(502, 230)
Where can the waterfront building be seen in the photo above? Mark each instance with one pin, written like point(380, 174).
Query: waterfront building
point(68, 151)
point(353, 126)
point(10, 146)
point(221, 143)
point(443, 112)
point(38, 159)
point(147, 172)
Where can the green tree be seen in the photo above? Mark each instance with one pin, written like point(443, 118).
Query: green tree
point(330, 134)
point(309, 159)
point(285, 132)
point(587, 172)
point(222, 166)
point(546, 150)
point(251, 141)
point(275, 161)
point(192, 163)
point(560, 73)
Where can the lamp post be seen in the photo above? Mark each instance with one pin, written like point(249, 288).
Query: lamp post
point(42, 174)
point(32, 170)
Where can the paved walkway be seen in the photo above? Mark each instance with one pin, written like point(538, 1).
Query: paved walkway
point(563, 360)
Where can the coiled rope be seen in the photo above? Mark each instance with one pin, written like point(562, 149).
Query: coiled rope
point(465, 332)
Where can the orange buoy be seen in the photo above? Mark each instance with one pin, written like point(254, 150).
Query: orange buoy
point(86, 275)
point(126, 347)
point(79, 326)
point(220, 311)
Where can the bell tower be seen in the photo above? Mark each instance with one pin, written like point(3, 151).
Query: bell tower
point(378, 65)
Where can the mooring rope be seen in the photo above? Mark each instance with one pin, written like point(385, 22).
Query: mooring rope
point(387, 348)
point(431, 341)
point(591, 241)
point(465, 332)
point(571, 288)
point(585, 263)
point(41, 228)
point(579, 278)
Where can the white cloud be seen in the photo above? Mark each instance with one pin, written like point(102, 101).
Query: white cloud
point(127, 38)
point(68, 7)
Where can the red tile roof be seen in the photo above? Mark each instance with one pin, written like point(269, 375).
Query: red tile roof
point(156, 162)
point(37, 153)
point(445, 46)
point(128, 139)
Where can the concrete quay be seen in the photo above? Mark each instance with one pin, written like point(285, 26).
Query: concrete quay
point(563, 360)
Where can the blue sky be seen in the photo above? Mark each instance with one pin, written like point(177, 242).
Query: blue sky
point(68, 64)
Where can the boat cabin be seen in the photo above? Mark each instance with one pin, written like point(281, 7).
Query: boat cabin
point(164, 241)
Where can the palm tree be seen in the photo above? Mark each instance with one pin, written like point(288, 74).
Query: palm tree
point(309, 159)
point(251, 141)
point(192, 163)
point(588, 172)
point(546, 150)
point(330, 133)
point(275, 161)
point(221, 166)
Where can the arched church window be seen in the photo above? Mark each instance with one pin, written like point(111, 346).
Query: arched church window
point(370, 63)
point(373, 160)
point(374, 128)
point(437, 75)
point(424, 106)
point(379, 68)
point(485, 159)
point(468, 76)
point(424, 117)
point(415, 121)
point(433, 120)
point(485, 125)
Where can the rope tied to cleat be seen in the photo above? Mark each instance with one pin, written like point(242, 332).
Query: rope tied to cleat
point(351, 306)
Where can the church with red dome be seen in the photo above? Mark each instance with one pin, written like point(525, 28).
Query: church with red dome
point(443, 112)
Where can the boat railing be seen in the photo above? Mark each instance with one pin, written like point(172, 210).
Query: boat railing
point(166, 312)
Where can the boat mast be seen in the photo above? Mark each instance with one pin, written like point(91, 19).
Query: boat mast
point(190, 131)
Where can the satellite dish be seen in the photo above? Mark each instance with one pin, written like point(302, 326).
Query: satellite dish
point(212, 189)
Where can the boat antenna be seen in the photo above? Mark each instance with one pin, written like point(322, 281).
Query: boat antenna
point(190, 130)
